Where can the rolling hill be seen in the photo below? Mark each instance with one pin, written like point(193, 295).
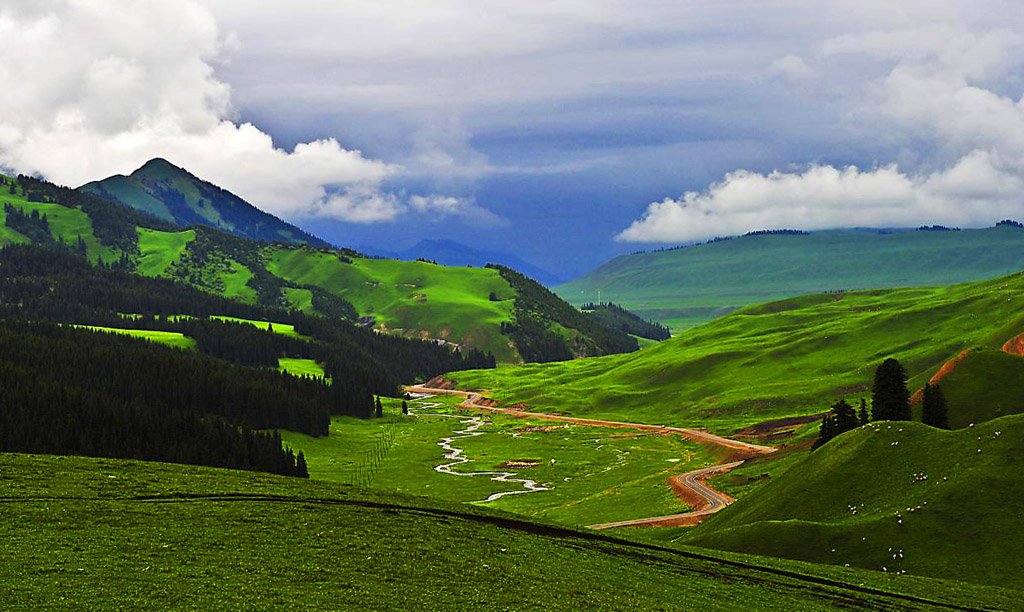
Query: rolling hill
point(110, 535)
point(900, 496)
point(173, 194)
point(686, 286)
point(459, 306)
point(781, 359)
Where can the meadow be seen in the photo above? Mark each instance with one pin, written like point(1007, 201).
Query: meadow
point(900, 496)
point(593, 474)
point(103, 534)
point(415, 298)
point(786, 358)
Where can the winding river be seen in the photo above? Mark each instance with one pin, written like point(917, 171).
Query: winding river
point(455, 455)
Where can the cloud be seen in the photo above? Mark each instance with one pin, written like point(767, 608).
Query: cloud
point(939, 99)
point(791, 68)
point(978, 190)
point(98, 88)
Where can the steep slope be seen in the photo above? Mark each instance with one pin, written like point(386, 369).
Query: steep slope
point(686, 286)
point(141, 535)
point(173, 194)
point(902, 496)
point(450, 253)
point(780, 359)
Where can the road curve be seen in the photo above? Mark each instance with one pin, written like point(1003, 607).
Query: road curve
point(713, 501)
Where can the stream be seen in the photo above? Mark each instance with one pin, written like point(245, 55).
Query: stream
point(455, 454)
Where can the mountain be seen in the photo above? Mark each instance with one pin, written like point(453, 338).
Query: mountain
point(471, 308)
point(685, 286)
point(173, 194)
point(451, 253)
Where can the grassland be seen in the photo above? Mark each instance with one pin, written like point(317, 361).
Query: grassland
point(111, 535)
point(946, 504)
point(987, 384)
point(172, 339)
point(158, 250)
point(411, 298)
point(593, 474)
point(65, 223)
point(688, 286)
point(301, 367)
point(780, 359)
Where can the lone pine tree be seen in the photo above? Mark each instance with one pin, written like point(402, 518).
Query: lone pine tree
point(890, 399)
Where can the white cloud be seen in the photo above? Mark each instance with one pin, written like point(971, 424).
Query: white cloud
point(98, 88)
point(939, 100)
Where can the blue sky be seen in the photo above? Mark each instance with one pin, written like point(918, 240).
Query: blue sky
point(566, 132)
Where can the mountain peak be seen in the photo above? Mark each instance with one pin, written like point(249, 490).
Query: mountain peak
point(159, 165)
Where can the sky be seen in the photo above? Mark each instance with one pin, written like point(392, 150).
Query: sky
point(565, 131)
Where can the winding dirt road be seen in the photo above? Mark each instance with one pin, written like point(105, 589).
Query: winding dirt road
point(691, 484)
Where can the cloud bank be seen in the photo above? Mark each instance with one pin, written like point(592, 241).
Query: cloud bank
point(941, 93)
point(96, 88)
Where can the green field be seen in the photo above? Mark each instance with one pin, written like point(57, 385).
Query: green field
point(172, 339)
point(959, 494)
point(111, 535)
point(415, 299)
point(301, 367)
point(987, 384)
point(158, 250)
point(65, 223)
point(593, 474)
point(781, 359)
point(688, 286)
point(279, 328)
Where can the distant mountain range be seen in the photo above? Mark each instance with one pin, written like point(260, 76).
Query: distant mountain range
point(173, 194)
point(451, 253)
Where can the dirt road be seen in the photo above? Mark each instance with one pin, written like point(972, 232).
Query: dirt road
point(708, 501)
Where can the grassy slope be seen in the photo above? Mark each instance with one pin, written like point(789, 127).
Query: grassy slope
point(301, 367)
point(780, 359)
point(690, 285)
point(971, 504)
point(158, 250)
point(66, 223)
point(987, 384)
point(411, 297)
point(85, 534)
point(172, 339)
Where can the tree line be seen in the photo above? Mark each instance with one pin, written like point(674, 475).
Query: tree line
point(617, 317)
point(890, 401)
point(536, 307)
point(71, 391)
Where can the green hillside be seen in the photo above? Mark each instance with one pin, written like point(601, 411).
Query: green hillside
point(987, 384)
point(686, 286)
point(111, 535)
point(780, 359)
point(173, 194)
point(459, 306)
point(946, 504)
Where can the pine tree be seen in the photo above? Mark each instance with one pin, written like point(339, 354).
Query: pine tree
point(935, 411)
point(890, 399)
point(380, 408)
point(863, 414)
point(301, 470)
point(405, 407)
